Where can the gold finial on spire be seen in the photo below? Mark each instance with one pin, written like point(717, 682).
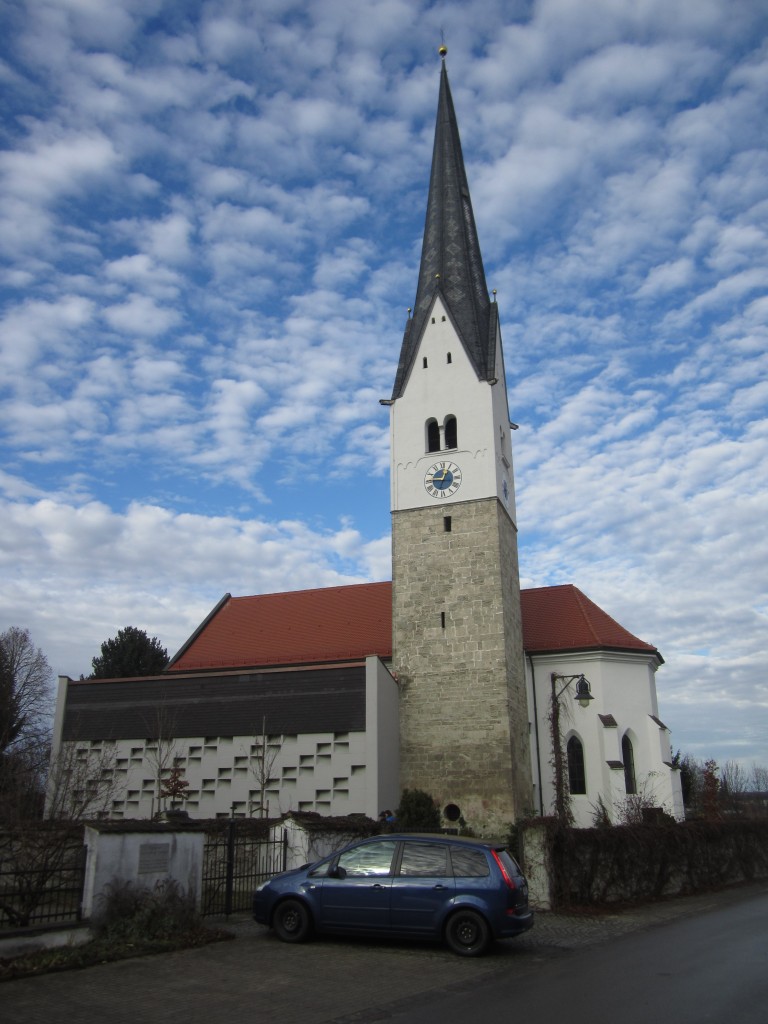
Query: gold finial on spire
point(443, 50)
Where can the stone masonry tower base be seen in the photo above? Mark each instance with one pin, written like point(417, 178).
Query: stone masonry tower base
point(458, 654)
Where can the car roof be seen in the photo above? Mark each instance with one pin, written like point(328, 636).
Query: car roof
point(439, 837)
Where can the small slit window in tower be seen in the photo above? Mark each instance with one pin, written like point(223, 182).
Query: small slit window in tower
point(442, 620)
point(442, 318)
point(446, 524)
point(448, 358)
point(451, 432)
point(433, 436)
point(424, 362)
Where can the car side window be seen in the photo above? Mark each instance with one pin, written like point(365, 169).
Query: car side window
point(424, 860)
point(469, 863)
point(369, 859)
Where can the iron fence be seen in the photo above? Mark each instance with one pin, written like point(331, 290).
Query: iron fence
point(235, 861)
point(42, 873)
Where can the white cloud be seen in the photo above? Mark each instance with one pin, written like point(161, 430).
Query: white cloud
point(210, 229)
point(156, 569)
point(140, 314)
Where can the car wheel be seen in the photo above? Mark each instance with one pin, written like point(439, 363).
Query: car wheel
point(467, 933)
point(292, 922)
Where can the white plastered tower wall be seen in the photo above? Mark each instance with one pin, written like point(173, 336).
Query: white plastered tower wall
point(623, 686)
point(442, 383)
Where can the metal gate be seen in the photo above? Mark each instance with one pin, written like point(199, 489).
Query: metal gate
point(42, 872)
point(235, 861)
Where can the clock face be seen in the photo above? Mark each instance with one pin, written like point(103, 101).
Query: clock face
point(443, 479)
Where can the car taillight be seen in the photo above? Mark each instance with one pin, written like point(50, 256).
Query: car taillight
point(504, 873)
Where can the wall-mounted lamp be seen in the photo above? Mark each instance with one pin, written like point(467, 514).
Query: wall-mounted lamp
point(583, 696)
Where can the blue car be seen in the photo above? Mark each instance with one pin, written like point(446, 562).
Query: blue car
point(464, 891)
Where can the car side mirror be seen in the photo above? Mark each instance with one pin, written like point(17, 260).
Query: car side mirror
point(337, 872)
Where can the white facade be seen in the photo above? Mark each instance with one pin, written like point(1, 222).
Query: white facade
point(484, 450)
point(624, 704)
point(333, 773)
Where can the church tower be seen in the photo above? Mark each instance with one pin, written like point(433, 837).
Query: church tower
point(457, 635)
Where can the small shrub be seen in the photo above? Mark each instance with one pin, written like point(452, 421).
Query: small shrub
point(418, 811)
point(601, 817)
point(131, 922)
point(130, 913)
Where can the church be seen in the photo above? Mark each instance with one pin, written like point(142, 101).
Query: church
point(499, 703)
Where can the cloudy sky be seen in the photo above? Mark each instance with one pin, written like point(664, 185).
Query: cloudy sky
point(210, 226)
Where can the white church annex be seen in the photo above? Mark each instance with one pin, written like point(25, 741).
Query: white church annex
point(334, 700)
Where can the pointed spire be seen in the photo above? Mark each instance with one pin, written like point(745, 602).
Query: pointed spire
point(451, 264)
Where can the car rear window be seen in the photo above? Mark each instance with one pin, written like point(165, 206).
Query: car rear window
point(424, 860)
point(469, 863)
point(509, 862)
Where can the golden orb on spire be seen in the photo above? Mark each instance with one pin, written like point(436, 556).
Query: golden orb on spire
point(443, 50)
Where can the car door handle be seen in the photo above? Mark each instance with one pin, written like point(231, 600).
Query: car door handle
point(439, 886)
point(377, 885)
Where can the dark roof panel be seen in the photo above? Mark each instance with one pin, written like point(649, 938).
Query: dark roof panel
point(234, 704)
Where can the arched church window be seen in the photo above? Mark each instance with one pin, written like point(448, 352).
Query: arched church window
point(628, 757)
point(433, 436)
point(577, 777)
point(451, 433)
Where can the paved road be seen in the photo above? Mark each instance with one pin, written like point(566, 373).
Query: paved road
point(257, 979)
point(710, 968)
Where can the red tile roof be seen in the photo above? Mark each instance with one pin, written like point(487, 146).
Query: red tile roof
point(297, 627)
point(563, 619)
point(350, 623)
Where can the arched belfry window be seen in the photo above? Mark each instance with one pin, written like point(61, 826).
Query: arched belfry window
point(628, 757)
point(451, 432)
point(577, 777)
point(433, 436)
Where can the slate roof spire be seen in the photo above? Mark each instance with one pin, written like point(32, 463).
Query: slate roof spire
point(451, 263)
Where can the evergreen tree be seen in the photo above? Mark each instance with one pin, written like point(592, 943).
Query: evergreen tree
point(130, 653)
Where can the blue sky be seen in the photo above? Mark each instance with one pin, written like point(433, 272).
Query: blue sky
point(210, 226)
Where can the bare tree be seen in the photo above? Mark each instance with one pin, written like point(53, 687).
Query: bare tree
point(82, 782)
point(262, 764)
point(636, 808)
point(758, 782)
point(733, 782)
point(39, 857)
point(26, 695)
point(162, 751)
point(25, 706)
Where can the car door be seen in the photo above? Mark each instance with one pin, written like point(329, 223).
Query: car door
point(422, 888)
point(359, 901)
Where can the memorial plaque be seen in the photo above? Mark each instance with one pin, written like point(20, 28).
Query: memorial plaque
point(154, 857)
